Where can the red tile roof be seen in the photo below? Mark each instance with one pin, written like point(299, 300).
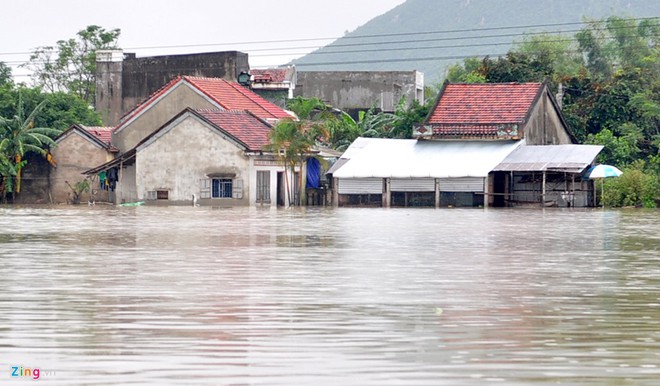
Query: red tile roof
point(485, 106)
point(104, 134)
point(233, 96)
point(274, 75)
point(242, 125)
point(469, 130)
point(228, 95)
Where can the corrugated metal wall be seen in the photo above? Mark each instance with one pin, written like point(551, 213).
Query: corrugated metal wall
point(462, 184)
point(375, 185)
point(412, 185)
point(360, 186)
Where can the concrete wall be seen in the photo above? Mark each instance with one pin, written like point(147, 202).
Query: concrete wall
point(265, 163)
point(545, 126)
point(109, 68)
point(135, 79)
point(178, 160)
point(349, 90)
point(126, 186)
point(74, 154)
point(175, 101)
point(34, 182)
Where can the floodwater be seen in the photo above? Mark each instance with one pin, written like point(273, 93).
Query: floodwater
point(183, 295)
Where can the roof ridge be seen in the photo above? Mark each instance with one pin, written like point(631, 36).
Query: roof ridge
point(227, 111)
point(101, 128)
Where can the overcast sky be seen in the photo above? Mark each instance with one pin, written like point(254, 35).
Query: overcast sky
point(147, 26)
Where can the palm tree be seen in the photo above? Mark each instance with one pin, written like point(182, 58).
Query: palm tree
point(345, 129)
point(18, 137)
point(294, 139)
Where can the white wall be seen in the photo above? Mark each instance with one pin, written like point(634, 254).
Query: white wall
point(178, 158)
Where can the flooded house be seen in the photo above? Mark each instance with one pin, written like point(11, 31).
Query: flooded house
point(196, 140)
point(481, 145)
point(78, 149)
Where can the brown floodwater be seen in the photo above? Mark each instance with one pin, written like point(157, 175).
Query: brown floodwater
point(248, 296)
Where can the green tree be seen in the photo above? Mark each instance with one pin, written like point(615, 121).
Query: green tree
point(6, 79)
point(61, 109)
point(344, 130)
point(19, 136)
point(618, 150)
point(467, 72)
point(411, 116)
point(71, 65)
point(294, 139)
point(635, 187)
point(558, 52)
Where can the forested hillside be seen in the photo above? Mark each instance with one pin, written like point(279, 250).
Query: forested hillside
point(429, 35)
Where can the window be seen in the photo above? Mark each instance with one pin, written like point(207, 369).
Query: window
point(263, 186)
point(221, 188)
point(158, 195)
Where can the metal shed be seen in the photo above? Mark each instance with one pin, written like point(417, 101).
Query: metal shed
point(419, 170)
point(549, 175)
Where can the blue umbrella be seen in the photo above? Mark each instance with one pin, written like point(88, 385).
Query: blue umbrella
point(603, 171)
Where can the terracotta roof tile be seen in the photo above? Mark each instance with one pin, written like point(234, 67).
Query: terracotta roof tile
point(489, 103)
point(274, 75)
point(103, 133)
point(241, 125)
point(233, 96)
point(228, 95)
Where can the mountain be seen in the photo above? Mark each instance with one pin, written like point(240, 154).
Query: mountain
point(429, 35)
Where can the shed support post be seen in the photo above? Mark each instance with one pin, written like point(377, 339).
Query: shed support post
point(387, 193)
point(486, 191)
point(437, 192)
point(120, 185)
point(335, 192)
point(512, 189)
point(543, 191)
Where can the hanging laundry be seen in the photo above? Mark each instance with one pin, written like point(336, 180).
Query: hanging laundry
point(102, 181)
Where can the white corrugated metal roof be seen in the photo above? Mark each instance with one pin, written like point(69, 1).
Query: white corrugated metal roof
point(568, 158)
point(410, 158)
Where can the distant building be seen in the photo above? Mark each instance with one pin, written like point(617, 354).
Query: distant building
point(482, 144)
point(362, 90)
point(123, 80)
point(274, 84)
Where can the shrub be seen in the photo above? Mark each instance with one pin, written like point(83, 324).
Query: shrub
point(635, 187)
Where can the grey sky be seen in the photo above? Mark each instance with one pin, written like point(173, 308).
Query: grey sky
point(27, 24)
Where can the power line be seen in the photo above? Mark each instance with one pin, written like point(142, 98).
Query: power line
point(387, 35)
point(491, 44)
point(263, 42)
point(329, 51)
point(394, 60)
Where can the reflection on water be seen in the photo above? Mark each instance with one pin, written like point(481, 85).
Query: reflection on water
point(146, 295)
